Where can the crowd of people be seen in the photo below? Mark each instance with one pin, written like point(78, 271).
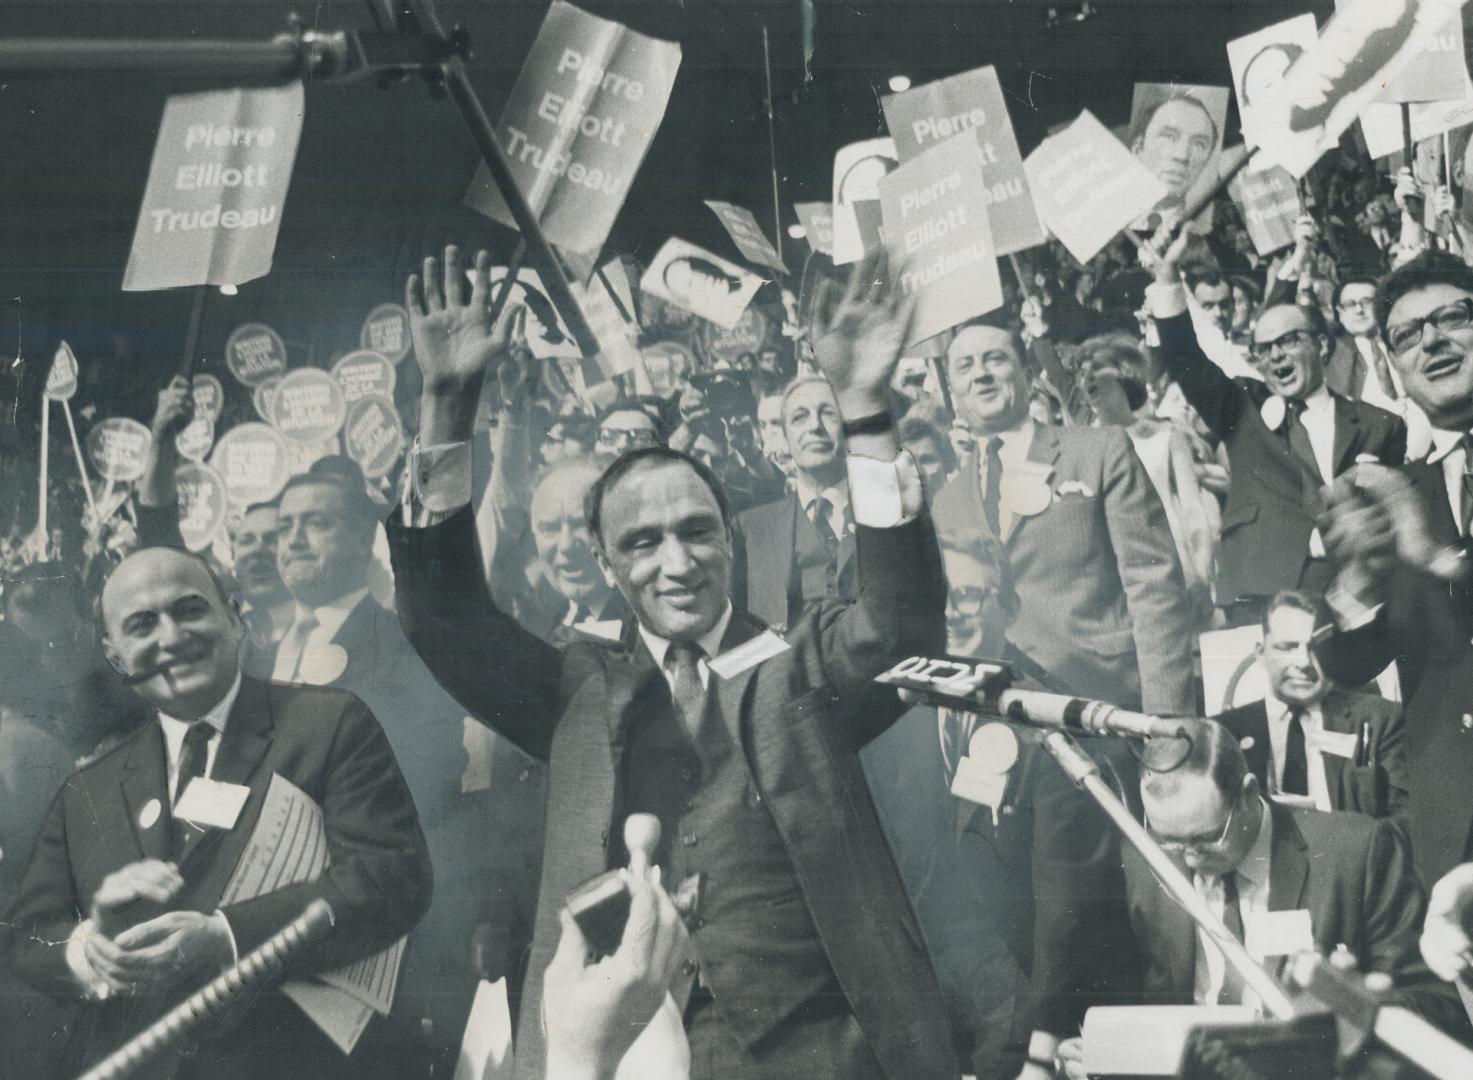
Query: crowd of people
point(672, 595)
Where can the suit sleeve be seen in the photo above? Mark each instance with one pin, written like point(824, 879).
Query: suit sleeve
point(1150, 573)
point(1391, 753)
point(379, 879)
point(1217, 399)
point(1393, 907)
point(505, 676)
point(45, 911)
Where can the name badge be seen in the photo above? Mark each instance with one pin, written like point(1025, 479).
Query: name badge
point(604, 629)
point(735, 661)
point(1339, 743)
point(1278, 933)
point(211, 803)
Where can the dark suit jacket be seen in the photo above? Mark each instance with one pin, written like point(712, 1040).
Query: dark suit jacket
point(1425, 625)
point(1352, 873)
point(770, 540)
point(799, 717)
point(1268, 519)
point(1379, 788)
point(1102, 604)
point(329, 745)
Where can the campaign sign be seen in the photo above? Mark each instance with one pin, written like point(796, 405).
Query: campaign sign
point(308, 406)
point(254, 353)
point(202, 504)
point(61, 380)
point(1437, 71)
point(747, 336)
point(215, 189)
point(702, 283)
point(547, 334)
point(363, 373)
point(1088, 187)
point(1269, 202)
point(1362, 49)
point(746, 234)
point(263, 396)
point(194, 442)
point(857, 171)
point(1260, 61)
point(577, 124)
point(615, 334)
point(817, 220)
point(252, 459)
point(1381, 123)
point(938, 236)
point(928, 115)
point(209, 396)
point(302, 456)
point(118, 448)
point(667, 363)
point(373, 435)
point(386, 332)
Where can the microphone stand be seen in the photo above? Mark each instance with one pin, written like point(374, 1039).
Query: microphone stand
point(409, 40)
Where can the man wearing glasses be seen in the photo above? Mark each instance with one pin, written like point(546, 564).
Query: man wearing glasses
point(623, 427)
point(1387, 608)
point(1286, 437)
point(1283, 880)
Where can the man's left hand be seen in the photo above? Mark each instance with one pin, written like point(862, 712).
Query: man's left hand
point(176, 948)
point(857, 347)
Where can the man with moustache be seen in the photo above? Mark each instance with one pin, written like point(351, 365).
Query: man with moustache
point(1286, 437)
point(745, 745)
point(151, 883)
point(1388, 602)
point(800, 548)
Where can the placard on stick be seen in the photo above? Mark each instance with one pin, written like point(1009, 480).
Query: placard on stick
point(938, 236)
point(254, 353)
point(1270, 204)
point(927, 115)
point(364, 372)
point(746, 234)
point(202, 504)
point(386, 332)
point(373, 435)
point(857, 171)
point(817, 220)
point(216, 187)
point(252, 458)
point(693, 278)
point(118, 447)
point(1088, 187)
point(308, 406)
point(576, 127)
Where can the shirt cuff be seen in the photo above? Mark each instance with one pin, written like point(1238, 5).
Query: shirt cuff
point(76, 961)
point(1350, 611)
point(884, 494)
point(1165, 301)
point(439, 483)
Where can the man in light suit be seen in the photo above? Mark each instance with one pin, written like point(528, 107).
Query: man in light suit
point(1309, 739)
point(745, 745)
point(1102, 607)
point(151, 884)
point(1388, 603)
point(800, 548)
point(1286, 437)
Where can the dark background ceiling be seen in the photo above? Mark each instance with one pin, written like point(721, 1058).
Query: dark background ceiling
point(380, 173)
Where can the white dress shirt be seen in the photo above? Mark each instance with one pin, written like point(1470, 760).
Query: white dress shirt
point(174, 732)
point(1447, 451)
point(1313, 722)
point(838, 499)
point(1253, 888)
point(330, 618)
point(1013, 453)
point(710, 643)
point(1319, 422)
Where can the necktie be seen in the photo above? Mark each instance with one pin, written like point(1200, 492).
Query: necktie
point(824, 526)
point(192, 756)
point(682, 662)
point(1466, 517)
point(992, 494)
point(1296, 759)
point(1298, 436)
point(293, 648)
point(1232, 918)
point(1383, 371)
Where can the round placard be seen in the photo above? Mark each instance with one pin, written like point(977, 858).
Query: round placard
point(255, 352)
point(253, 461)
point(363, 373)
point(386, 332)
point(373, 435)
point(209, 396)
point(194, 442)
point(202, 504)
point(308, 406)
point(118, 447)
point(262, 396)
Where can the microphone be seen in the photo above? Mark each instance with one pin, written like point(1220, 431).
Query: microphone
point(985, 686)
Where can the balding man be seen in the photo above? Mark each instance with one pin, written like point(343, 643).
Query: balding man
point(151, 883)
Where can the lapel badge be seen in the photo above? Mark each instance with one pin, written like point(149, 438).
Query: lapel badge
point(149, 815)
point(1467, 722)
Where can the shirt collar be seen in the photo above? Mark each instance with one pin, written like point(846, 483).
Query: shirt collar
point(1444, 443)
point(1256, 864)
point(217, 716)
point(837, 494)
point(1278, 710)
point(1319, 400)
point(331, 616)
point(710, 641)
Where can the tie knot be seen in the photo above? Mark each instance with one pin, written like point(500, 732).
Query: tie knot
point(994, 444)
point(684, 656)
point(199, 733)
point(1295, 406)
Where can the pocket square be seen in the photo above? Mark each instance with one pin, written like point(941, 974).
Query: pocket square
point(1074, 487)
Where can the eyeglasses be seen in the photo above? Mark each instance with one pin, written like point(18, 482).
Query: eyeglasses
point(1198, 843)
point(1283, 343)
point(1406, 336)
point(628, 436)
point(1363, 302)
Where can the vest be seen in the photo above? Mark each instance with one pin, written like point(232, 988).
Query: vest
point(758, 951)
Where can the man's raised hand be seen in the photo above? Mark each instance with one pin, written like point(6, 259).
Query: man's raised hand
point(455, 340)
point(858, 341)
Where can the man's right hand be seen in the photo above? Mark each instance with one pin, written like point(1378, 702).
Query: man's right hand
point(149, 879)
point(1360, 536)
point(174, 410)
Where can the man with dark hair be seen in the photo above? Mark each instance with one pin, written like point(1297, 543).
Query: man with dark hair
point(1286, 437)
point(743, 744)
point(1310, 741)
point(152, 884)
point(932, 450)
point(1215, 295)
point(1175, 139)
point(1388, 603)
point(624, 426)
